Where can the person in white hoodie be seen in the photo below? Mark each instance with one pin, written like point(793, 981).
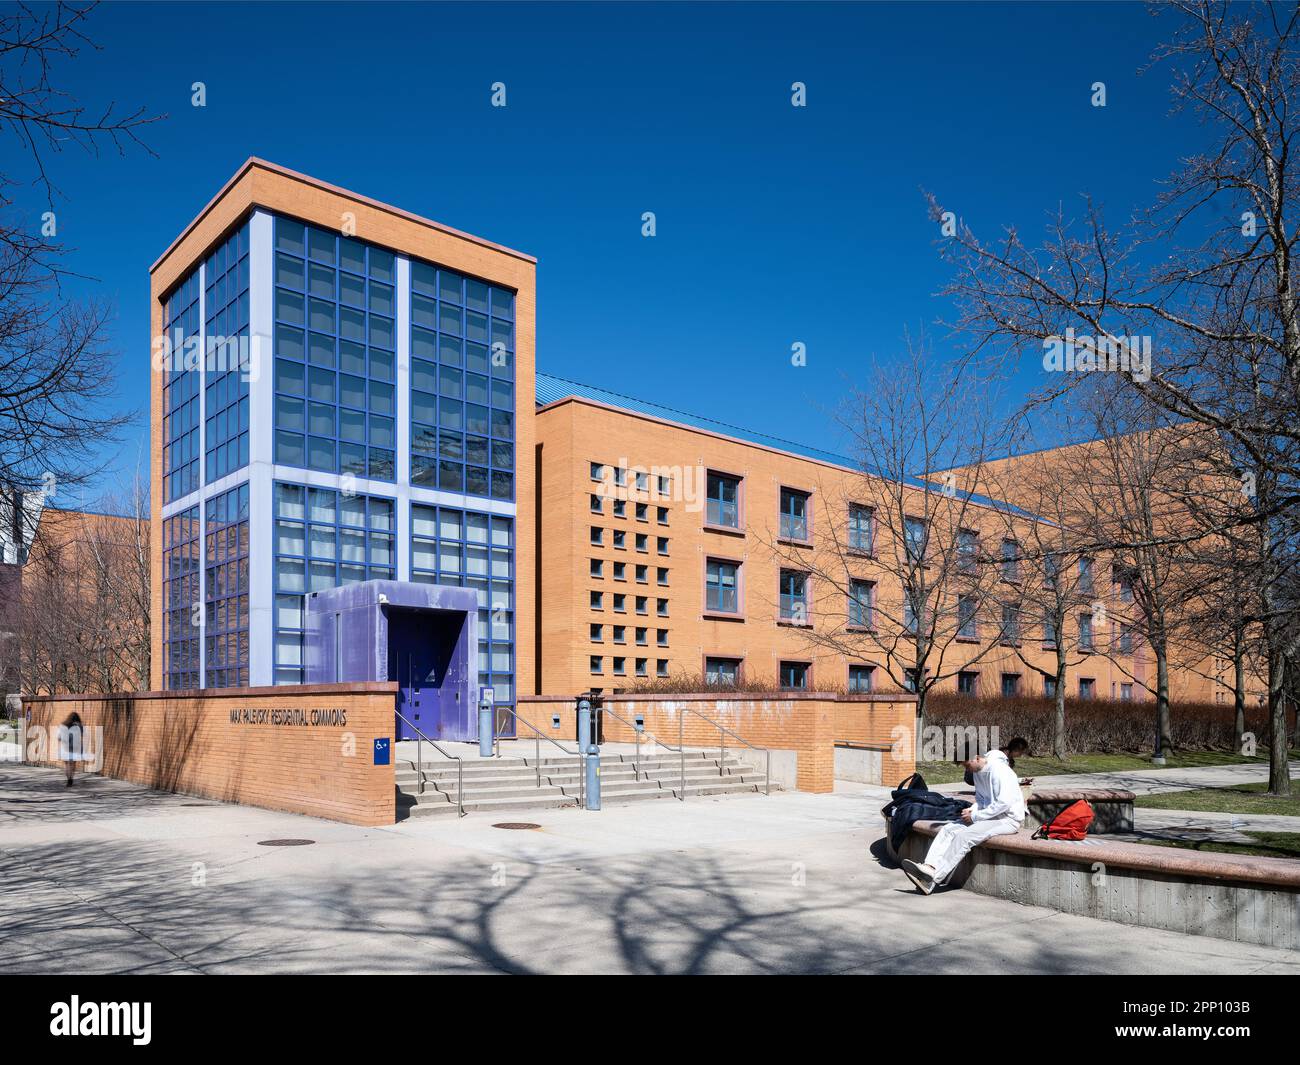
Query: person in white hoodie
point(999, 810)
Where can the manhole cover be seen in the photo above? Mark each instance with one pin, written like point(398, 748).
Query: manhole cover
point(284, 842)
point(516, 825)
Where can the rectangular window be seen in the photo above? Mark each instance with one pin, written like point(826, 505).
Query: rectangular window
point(967, 623)
point(860, 593)
point(661, 607)
point(860, 679)
point(862, 535)
point(724, 672)
point(661, 637)
point(1085, 632)
point(597, 633)
point(1049, 687)
point(620, 667)
point(642, 574)
point(662, 515)
point(597, 664)
point(1010, 623)
point(1085, 576)
point(620, 571)
point(226, 624)
point(661, 545)
point(597, 536)
point(620, 508)
point(1050, 635)
point(1051, 571)
point(1125, 639)
point(794, 515)
point(661, 576)
point(1010, 685)
point(1010, 561)
point(722, 586)
point(915, 535)
point(620, 634)
point(597, 568)
point(642, 636)
point(1126, 692)
point(597, 601)
point(642, 542)
point(597, 505)
point(661, 667)
point(794, 597)
point(1087, 687)
point(181, 561)
point(968, 550)
point(598, 471)
point(641, 667)
point(620, 539)
point(723, 504)
point(794, 675)
point(642, 512)
point(967, 682)
point(620, 603)
point(909, 613)
point(1123, 581)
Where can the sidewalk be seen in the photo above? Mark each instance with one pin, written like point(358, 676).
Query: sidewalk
point(108, 877)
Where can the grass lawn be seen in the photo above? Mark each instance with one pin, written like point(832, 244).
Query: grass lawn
point(950, 773)
point(1270, 845)
point(1238, 799)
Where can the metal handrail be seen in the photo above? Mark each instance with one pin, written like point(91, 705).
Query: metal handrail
point(723, 732)
point(537, 751)
point(637, 730)
point(420, 739)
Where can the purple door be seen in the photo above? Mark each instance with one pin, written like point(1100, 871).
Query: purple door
point(426, 656)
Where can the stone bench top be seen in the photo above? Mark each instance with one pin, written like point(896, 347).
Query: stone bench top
point(1055, 795)
point(1176, 861)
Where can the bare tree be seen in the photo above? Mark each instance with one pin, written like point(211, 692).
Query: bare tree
point(899, 569)
point(1193, 304)
point(56, 367)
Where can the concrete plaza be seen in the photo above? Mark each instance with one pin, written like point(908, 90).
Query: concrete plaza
point(108, 877)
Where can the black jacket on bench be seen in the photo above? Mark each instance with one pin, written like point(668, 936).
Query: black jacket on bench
point(910, 805)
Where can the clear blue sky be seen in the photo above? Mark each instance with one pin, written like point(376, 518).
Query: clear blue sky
point(775, 224)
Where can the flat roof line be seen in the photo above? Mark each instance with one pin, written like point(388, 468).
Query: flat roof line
point(253, 161)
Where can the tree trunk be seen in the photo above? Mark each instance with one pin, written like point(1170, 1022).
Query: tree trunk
point(1164, 741)
point(1058, 721)
point(1238, 694)
point(1279, 768)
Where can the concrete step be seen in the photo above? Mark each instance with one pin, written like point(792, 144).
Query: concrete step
point(612, 771)
point(444, 771)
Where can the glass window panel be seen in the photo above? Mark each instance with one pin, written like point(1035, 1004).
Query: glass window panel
point(288, 413)
point(320, 419)
point(476, 328)
point(320, 576)
point(451, 476)
point(476, 295)
point(288, 611)
point(321, 281)
point(352, 255)
point(322, 316)
point(449, 524)
point(352, 425)
point(424, 376)
point(321, 384)
point(449, 286)
point(449, 319)
point(289, 501)
point(289, 306)
point(321, 349)
point(352, 357)
point(352, 545)
point(381, 332)
point(288, 271)
point(290, 448)
point(352, 510)
point(288, 537)
point(424, 278)
point(352, 391)
point(321, 245)
point(381, 365)
point(382, 432)
point(381, 398)
point(381, 299)
point(289, 236)
point(423, 520)
point(352, 290)
point(476, 388)
point(476, 450)
point(289, 377)
point(352, 324)
point(322, 541)
point(291, 577)
point(288, 341)
point(476, 358)
point(503, 303)
point(352, 458)
point(382, 265)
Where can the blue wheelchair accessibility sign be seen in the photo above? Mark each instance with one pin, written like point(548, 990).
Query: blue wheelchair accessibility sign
point(383, 751)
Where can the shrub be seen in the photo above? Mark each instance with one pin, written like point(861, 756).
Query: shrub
point(1104, 725)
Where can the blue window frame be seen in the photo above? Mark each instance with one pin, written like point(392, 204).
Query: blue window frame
point(462, 384)
point(181, 390)
point(335, 353)
point(1010, 561)
point(915, 535)
point(1085, 632)
point(723, 504)
point(323, 539)
point(225, 534)
point(468, 549)
point(860, 593)
point(794, 596)
point(722, 671)
point(227, 358)
point(967, 620)
point(794, 515)
point(794, 675)
point(180, 595)
point(861, 529)
point(860, 679)
point(722, 586)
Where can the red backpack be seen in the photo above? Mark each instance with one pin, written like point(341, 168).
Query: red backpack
point(1070, 823)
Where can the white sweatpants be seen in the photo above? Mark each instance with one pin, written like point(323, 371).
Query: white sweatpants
point(955, 840)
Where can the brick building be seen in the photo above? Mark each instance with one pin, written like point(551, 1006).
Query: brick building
point(345, 395)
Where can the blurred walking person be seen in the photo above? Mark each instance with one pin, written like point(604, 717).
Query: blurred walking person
point(70, 744)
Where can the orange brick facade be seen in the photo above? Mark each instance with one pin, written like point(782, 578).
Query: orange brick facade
point(306, 750)
point(573, 433)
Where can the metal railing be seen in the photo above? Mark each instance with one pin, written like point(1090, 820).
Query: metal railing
point(680, 749)
point(420, 740)
point(537, 753)
point(723, 733)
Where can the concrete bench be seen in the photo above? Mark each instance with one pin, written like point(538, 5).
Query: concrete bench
point(1113, 808)
point(1241, 898)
